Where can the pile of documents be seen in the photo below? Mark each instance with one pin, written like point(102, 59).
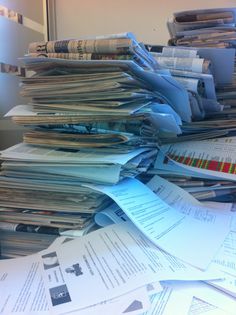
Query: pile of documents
point(95, 123)
point(203, 28)
point(208, 32)
point(210, 108)
point(207, 171)
point(23, 239)
point(90, 120)
point(122, 46)
point(132, 268)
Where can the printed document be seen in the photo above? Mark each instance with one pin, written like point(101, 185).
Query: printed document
point(115, 260)
point(194, 239)
point(215, 157)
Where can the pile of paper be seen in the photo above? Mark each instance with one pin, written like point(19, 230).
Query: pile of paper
point(206, 169)
point(208, 32)
point(94, 127)
point(183, 202)
point(131, 275)
point(195, 73)
point(203, 28)
point(210, 94)
point(93, 116)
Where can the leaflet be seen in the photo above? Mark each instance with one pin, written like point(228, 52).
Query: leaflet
point(175, 232)
point(109, 259)
point(115, 260)
point(24, 292)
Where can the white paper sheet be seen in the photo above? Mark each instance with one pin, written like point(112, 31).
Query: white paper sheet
point(133, 303)
point(169, 301)
point(194, 240)
point(172, 194)
point(21, 287)
point(225, 262)
point(22, 290)
point(114, 260)
point(185, 64)
point(112, 214)
point(107, 259)
point(200, 307)
point(206, 293)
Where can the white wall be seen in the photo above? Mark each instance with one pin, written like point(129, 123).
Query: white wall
point(14, 41)
point(146, 19)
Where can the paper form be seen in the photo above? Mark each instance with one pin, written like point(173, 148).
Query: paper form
point(181, 200)
point(168, 266)
point(195, 240)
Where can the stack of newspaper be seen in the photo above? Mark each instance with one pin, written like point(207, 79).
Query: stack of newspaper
point(203, 28)
point(203, 168)
point(210, 112)
point(88, 121)
point(207, 32)
point(195, 73)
